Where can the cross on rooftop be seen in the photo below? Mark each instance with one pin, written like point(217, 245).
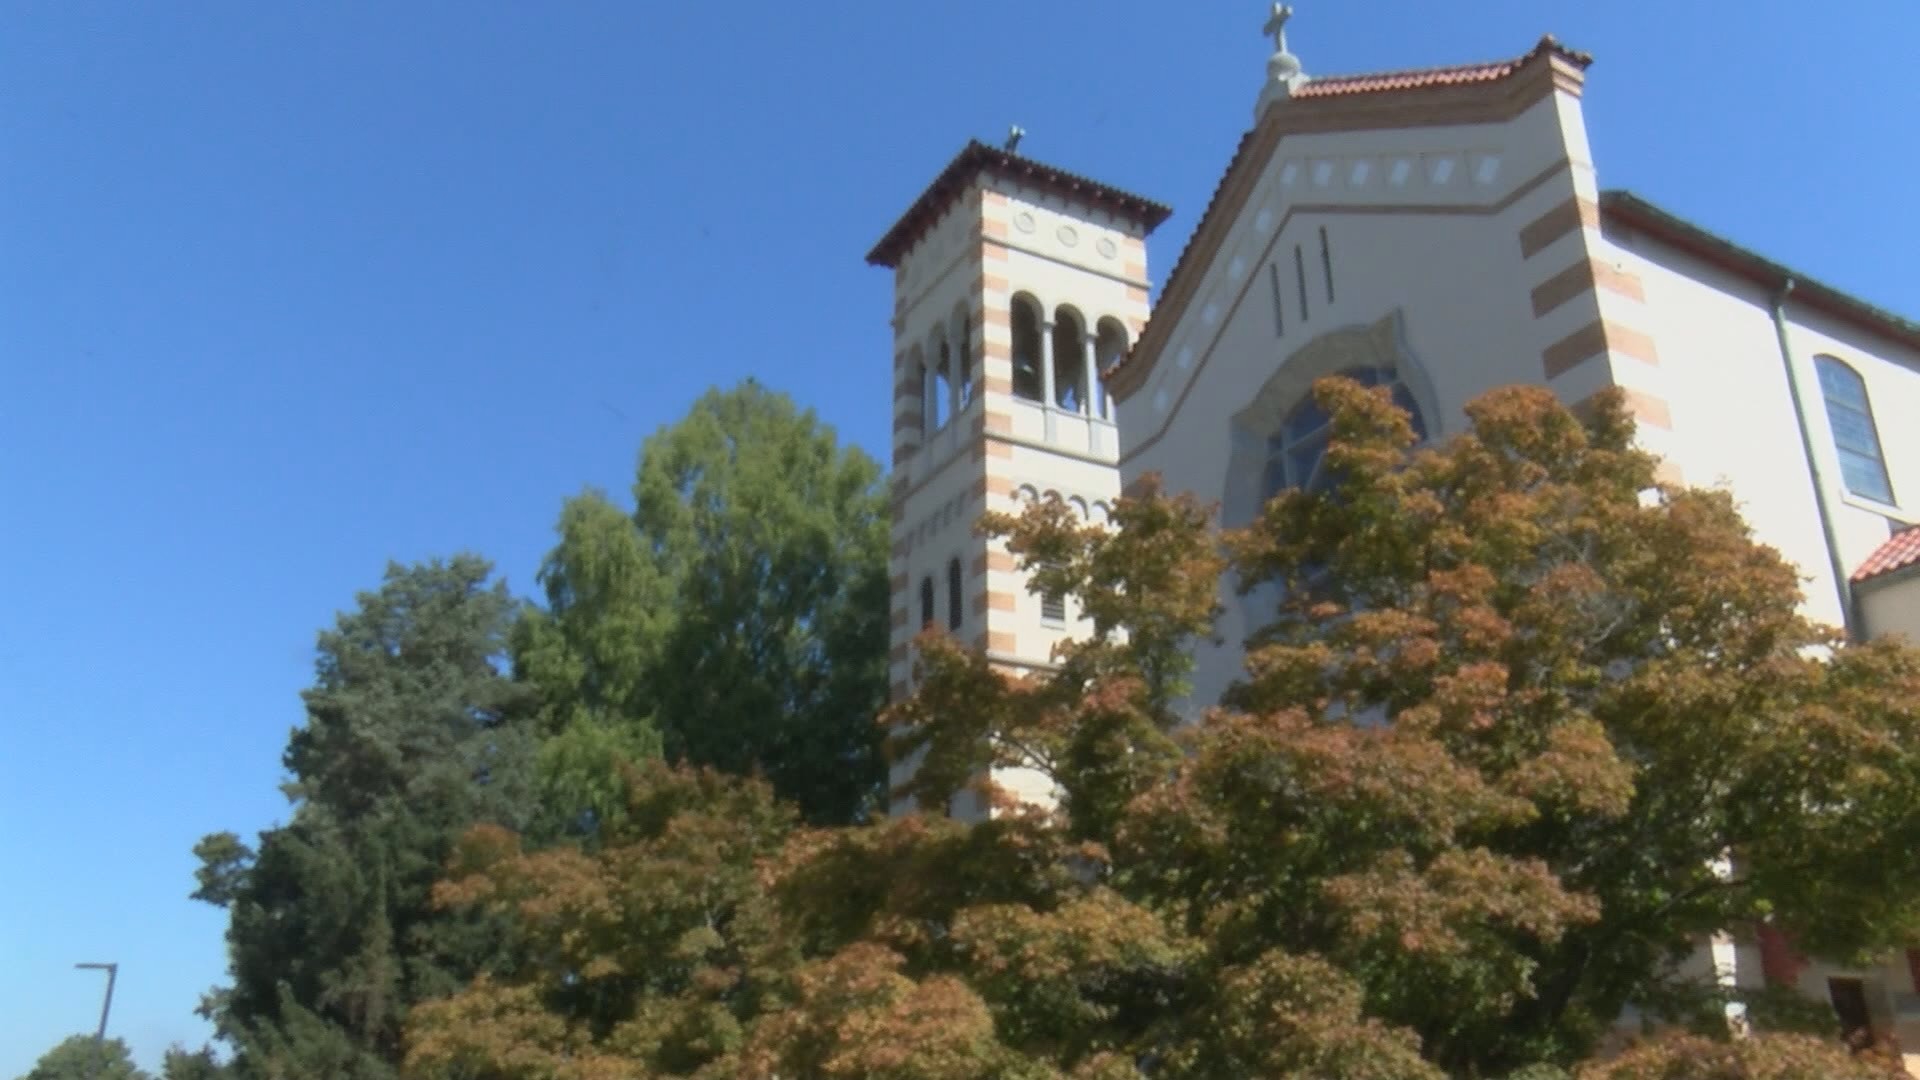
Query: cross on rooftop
point(1277, 26)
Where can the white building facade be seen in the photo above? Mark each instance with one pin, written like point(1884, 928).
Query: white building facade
point(1444, 232)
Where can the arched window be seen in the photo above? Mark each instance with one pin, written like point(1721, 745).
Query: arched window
point(1069, 362)
point(1862, 466)
point(940, 388)
point(1109, 348)
point(926, 602)
point(963, 356)
point(1026, 349)
point(1296, 454)
point(954, 598)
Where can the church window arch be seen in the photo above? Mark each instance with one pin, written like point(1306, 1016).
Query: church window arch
point(966, 378)
point(1069, 360)
point(1027, 348)
point(939, 392)
point(1296, 454)
point(1110, 347)
point(1856, 438)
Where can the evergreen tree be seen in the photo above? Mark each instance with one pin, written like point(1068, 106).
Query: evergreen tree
point(413, 734)
point(82, 1057)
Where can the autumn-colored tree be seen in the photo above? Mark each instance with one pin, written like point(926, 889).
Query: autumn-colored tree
point(1526, 724)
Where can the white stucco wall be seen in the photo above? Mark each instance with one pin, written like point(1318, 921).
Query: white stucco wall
point(1891, 607)
point(1722, 375)
point(1439, 249)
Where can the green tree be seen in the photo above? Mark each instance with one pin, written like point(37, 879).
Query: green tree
point(82, 1057)
point(738, 619)
point(183, 1064)
point(413, 734)
point(1525, 726)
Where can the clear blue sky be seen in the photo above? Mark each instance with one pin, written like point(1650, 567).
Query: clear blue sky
point(289, 290)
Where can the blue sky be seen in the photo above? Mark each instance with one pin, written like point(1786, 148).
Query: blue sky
point(289, 290)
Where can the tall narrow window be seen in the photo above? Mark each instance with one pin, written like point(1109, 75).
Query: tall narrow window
point(1110, 347)
point(1069, 363)
point(1300, 279)
point(1326, 262)
point(954, 600)
point(1855, 437)
point(1279, 310)
point(940, 390)
point(926, 602)
point(1026, 350)
point(964, 358)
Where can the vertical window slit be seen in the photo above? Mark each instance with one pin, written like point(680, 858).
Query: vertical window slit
point(1279, 315)
point(1300, 279)
point(1326, 262)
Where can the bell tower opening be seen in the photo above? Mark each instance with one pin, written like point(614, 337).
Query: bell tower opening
point(1015, 285)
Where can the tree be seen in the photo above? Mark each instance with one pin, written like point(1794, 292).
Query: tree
point(1525, 726)
point(82, 1057)
point(738, 620)
point(183, 1064)
point(642, 948)
point(413, 734)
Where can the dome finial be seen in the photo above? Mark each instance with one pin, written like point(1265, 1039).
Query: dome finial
point(1284, 73)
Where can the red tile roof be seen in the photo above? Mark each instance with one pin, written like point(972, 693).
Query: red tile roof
point(977, 158)
point(1900, 551)
point(1341, 85)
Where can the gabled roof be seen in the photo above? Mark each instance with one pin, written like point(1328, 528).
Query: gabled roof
point(1465, 93)
point(1901, 550)
point(979, 158)
point(1624, 208)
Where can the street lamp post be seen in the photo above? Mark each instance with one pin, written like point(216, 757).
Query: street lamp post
point(100, 1037)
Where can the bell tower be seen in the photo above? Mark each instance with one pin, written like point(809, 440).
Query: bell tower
point(1015, 285)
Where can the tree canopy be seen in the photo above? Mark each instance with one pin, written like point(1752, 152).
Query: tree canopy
point(82, 1057)
point(1525, 725)
point(413, 734)
point(738, 617)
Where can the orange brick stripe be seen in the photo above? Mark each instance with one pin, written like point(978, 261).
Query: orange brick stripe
point(1001, 562)
point(1575, 213)
point(1642, 406)
point(1592, 340)
point(1583, 277)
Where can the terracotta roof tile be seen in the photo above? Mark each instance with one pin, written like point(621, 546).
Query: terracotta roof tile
point(1340, 85)
point(977, 157)
point(1900, 551)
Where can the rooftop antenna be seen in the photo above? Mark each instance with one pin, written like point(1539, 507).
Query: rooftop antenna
point(1014, 135)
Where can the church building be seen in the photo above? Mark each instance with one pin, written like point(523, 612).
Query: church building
point(1027, 361)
